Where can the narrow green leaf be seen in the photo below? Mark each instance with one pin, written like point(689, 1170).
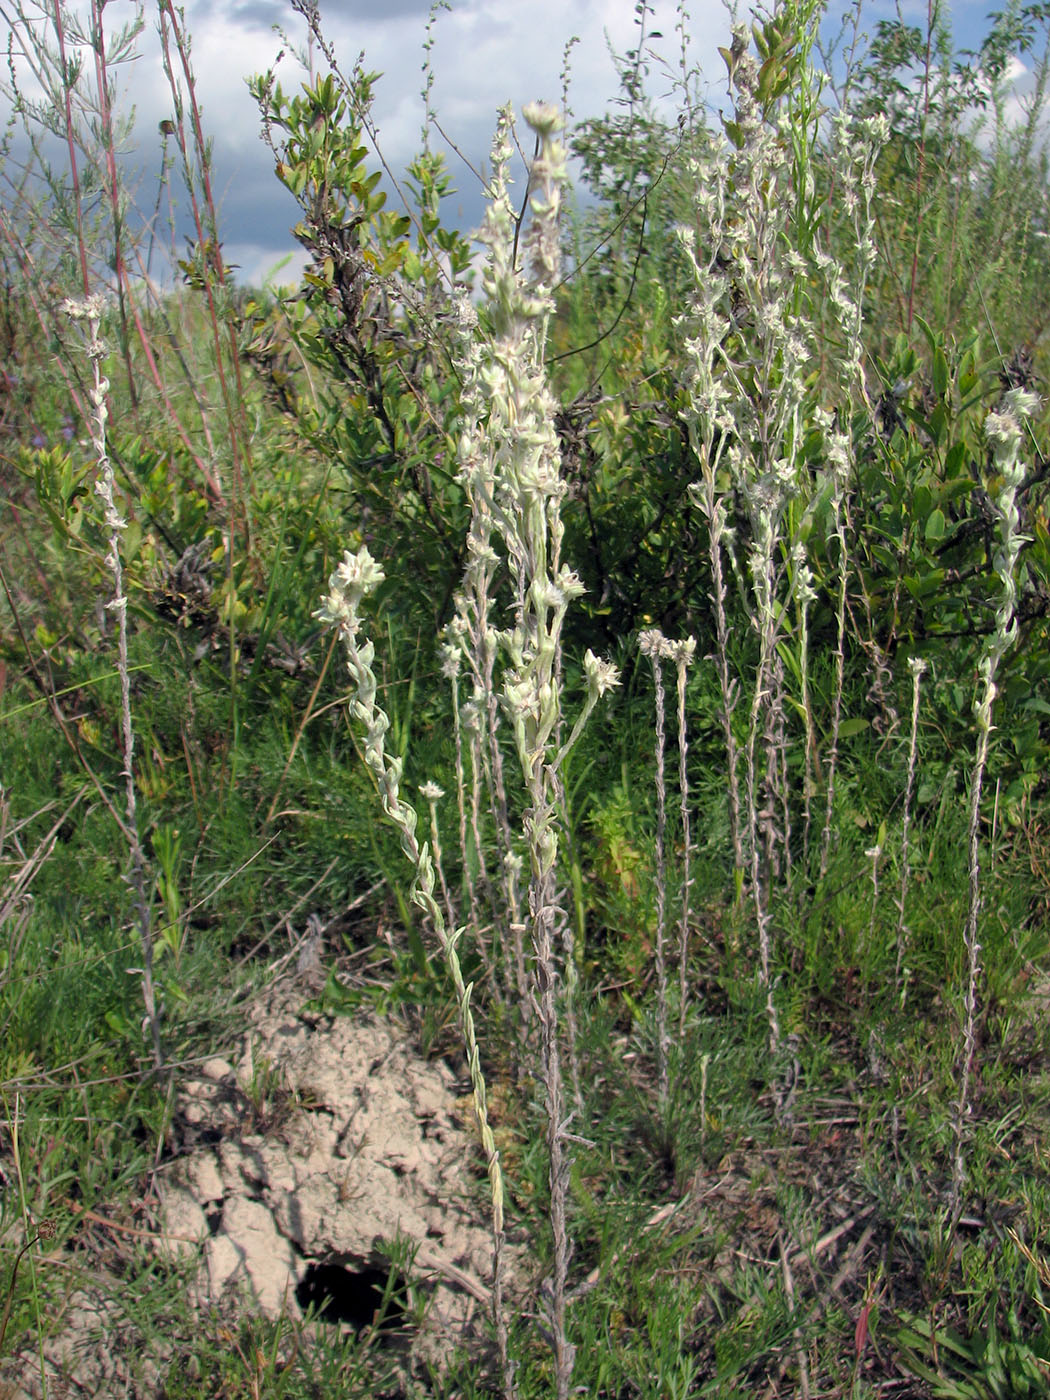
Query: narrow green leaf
point(939, 372)
point(851, 727)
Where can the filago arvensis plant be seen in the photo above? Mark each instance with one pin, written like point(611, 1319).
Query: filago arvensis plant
point(683, 653)
point(747, 348)
point(352, 581)
point(653, 644)
point(855, 145)
point(88, 311)
point(750, 347)
point(510, 468)
point(1004, 430)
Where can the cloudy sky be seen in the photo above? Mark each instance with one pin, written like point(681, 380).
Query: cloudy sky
point(485, 53)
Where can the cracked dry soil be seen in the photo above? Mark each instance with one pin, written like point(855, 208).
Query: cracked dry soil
point(296, 1163)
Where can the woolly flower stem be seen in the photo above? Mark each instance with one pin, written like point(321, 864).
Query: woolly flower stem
point(1003, 430)
point(432, 795)
point(855, 145)
point(90, 310)
point(351, 582)
point(652, 643)
point(682, 654)
point(510, 466)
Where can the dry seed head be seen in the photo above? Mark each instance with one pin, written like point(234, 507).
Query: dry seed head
point(651, 642)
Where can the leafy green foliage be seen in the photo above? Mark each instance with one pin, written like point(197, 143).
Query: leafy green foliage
point(369, 318)
point(961, 225)
point(990, 1365)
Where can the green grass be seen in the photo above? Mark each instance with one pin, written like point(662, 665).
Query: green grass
point(779, 1224)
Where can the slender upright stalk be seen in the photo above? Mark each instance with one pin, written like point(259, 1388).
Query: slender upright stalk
point(196, 162)
point(114, 193)
point(473, 719)
point(855, 147)
point(747, 342)
point(432, 795)
point(510, 466)
point(71, 145)
point(510, 457)
point(805, 595)
point(356, 577)
point(652, 644)
point(839, 473)
point(708, 424)
point(682, 654)
point(874, 854)
point(1003, 430)
point(90, 310)
point(450, 663)
point(476, 640)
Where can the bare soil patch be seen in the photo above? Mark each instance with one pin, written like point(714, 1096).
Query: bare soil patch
point(296, 1163)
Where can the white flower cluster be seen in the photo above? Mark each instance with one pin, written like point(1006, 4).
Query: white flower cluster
point(1004, 430)
point(510, 462)
point(351, 581)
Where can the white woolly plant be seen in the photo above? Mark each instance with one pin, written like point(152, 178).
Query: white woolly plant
point(682, 653)
point(511, 468)
point(750, 346)
point(653, 644)
point(855, 145)
point(451, 657)
point(472, 637)
point(710, 423)
point(804, 596)
point(89, 310)
point(356, 577)
point(1004, 430)
point(769, 367)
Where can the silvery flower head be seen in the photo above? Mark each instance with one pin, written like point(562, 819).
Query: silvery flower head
point(682, 652)
point(651, 642)
point(83, 308)
point(451, 660)
point(543, 117)
point(356, 576)
point(601, 676)
point(917, 665)
point(1021, 402)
